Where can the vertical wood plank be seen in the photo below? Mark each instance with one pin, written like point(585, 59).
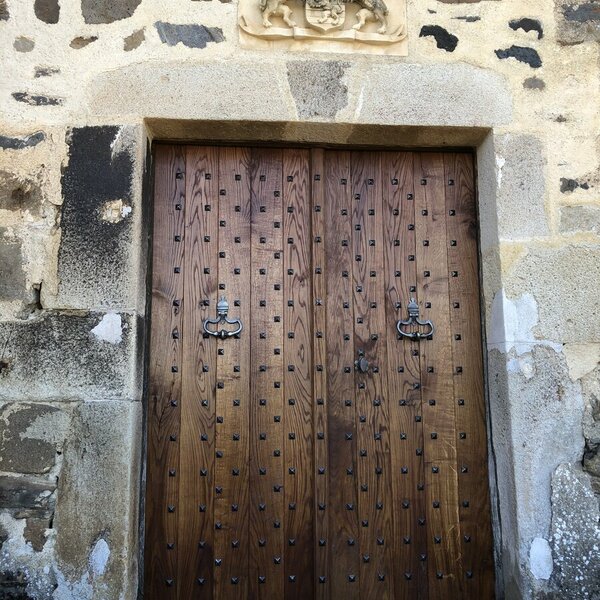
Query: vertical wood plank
point(298, 370)
point(162, 504)
point(372, 402)
point(403, 372)
point(436, 379)
point(320, 430)
point(266, 547)
point(343, 523)
point(233, 376)
point(469, 398)
point(196, 469)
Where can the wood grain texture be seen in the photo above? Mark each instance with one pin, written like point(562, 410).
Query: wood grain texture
point(275, 469)
point(469, 399)
point(233, 377)
point(197, 454)
point(164, 393)
point(436, 380)
point(267, 430)
point(298, 368)
point(372, 400)
point(320, 430)
point(403, 372)
point(344, 563)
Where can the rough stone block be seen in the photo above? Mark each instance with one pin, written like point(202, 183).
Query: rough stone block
point(47, 10)
point(433, 95)
point(317, 87)
point(565, 283)
point(577, 21)
point(98, 498)
point(545, 412)
point(12, 275)
point(575, 534)
point(4, 14)
point(56, 356)
point(30, 435)
point(191, 35)
point(580, 218)
point(520, 164)
point(96, 255)
point(107, 11)
point(26, 494)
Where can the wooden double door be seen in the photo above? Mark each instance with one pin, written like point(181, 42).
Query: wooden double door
point(318, 453)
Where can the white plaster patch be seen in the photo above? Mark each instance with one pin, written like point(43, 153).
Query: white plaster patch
point(500, 162)
point(581, 359)
point(110, 329)
point(115, 211)
point(540, 559)
point(99, 557)
point(512, 324)
point(522, 364)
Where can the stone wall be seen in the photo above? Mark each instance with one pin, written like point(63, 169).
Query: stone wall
point(89, 84)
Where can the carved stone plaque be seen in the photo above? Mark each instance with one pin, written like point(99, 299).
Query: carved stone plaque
point(371, 26)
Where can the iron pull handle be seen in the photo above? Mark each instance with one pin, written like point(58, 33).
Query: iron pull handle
point(361, 364)
point(222, 311)
point(413, 319)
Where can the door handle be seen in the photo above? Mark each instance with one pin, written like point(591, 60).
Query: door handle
point(222, 311)
point(413, 319)
point(361, 363)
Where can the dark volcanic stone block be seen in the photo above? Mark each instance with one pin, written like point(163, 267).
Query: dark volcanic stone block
point(107, 11)
point(94, 255)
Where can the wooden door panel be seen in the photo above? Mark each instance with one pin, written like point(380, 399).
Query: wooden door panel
point(276, 467)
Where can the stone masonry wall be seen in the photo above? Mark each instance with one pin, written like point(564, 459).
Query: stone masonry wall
point(87, 85)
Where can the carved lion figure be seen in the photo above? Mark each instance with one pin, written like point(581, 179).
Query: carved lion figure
point(371, 10)
point(276, 8)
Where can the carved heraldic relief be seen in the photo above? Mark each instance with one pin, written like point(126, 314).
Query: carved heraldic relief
point(372, 22)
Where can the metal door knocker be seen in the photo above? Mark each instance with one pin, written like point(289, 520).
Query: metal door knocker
point(413, 319)
point(222, 311)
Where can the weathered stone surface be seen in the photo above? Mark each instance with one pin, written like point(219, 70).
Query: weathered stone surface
point(133, 41)
point(82, 41)
point(18, 143)
point(99, 462)
point(534, 83)
point(47, 10)
point(36, 100)
point(23, 44)
point(317, 87)
point(527, 25)
point(19, 194)
point(520, 198)
point(56, 357)
point(577, 21)
point(190, 35)
point(575, 534)
point(412, 95)
point(4, 14)
point(30, 435)
point(107, 11)
point(443, 38)
point(23, 494)
point(525, 55)
point(564, 315)
point(95, 254)
point(12, 275)
point(580, 218)
point(13, 586)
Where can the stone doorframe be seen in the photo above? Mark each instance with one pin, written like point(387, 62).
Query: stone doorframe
point(401, 106)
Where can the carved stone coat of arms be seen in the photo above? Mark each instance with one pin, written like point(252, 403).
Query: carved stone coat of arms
point(343, 24)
